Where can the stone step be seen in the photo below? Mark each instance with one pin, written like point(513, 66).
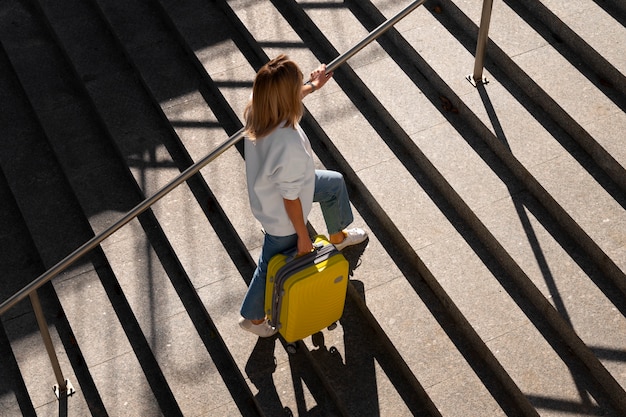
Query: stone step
point(31, 170)
point(460, 178)
point(603, 206)
point(94, 87)
point(34, 177)
point(564, 83)
point(168, 213)
point(250, 15)
point(193, 105)
point(507, 148)
point(151, 299)
point(20, 264)
point(207, 55)
point(473, 295)
point(540, 262)
point(599, 46)
point(379, 70)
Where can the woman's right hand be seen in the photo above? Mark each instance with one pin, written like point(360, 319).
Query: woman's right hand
point(304, 245)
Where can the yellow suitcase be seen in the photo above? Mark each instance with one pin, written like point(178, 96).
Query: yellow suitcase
point(306, 294)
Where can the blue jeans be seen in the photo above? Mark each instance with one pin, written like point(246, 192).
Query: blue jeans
point(332, 194)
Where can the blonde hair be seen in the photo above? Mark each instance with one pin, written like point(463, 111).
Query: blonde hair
point(276, 98)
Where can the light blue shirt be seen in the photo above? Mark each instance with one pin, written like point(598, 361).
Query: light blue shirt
point(279, 166)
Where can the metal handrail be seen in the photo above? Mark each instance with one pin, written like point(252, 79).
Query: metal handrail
point(185, 175)
point(64, 387)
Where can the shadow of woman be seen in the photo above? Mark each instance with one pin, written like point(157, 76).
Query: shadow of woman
point(262, 364)
point(260, 367)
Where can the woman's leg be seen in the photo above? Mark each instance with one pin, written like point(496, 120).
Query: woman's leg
point(253, 305)
point(332, 194)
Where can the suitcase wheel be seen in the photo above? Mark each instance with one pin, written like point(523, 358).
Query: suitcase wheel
point(292, 348)
point(332, 326)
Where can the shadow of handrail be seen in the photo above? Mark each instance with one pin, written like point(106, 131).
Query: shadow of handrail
point(136, 211)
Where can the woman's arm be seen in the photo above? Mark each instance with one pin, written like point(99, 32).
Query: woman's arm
point(294, 212)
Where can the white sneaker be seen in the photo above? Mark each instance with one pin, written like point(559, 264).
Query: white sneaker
point(354, 236)
point(262, 330)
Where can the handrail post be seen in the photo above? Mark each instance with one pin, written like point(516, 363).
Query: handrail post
point(481, 45)
point(63, 387)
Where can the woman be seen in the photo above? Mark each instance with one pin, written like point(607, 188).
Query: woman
point(282, 180)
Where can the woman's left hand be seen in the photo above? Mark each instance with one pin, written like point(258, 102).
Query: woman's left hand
point(319, 77)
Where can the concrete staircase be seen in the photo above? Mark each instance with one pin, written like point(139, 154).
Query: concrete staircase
point(493, 282)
